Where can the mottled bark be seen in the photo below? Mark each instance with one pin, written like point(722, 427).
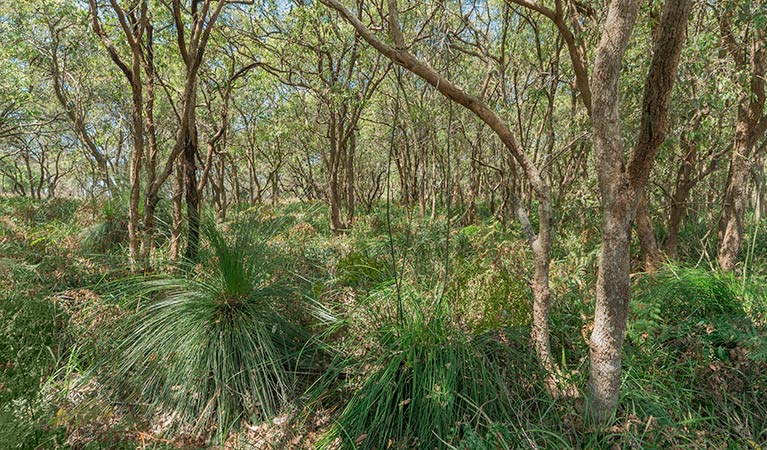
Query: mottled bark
point(731, 220)
point(621, 185)
point(750, 126)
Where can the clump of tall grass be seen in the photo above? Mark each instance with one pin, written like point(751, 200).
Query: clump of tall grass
point(210, 347)
point(696, 359)
point(424, 380)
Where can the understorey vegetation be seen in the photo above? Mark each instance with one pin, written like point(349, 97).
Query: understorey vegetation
point(285, 334)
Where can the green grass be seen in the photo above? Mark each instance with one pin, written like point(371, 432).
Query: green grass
point(235, 339)
point(424, 384)
point(210, 346)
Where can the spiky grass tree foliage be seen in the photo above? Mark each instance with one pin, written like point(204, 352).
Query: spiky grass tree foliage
point(427, 379)
point(110, 232)
point(210, 348)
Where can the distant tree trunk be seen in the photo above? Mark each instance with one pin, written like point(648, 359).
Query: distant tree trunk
point(337, 153)
point(178, 215)
point(474, 178)
point(750, 126)
point(646, 232)
point(682, 187)
point(621, 185)
point(275, 177)
point(731, 220)
point(235, 180)
point(350, 198)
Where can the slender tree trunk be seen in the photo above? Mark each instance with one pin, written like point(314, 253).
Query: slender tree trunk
point(151, 196)
point(335, 203)
point(750, 126)
point(645, 230)
point(336, 153)
point(137, 159)
point(682, 188)
point(192, 194)
point(350, 200)
point(178, 215)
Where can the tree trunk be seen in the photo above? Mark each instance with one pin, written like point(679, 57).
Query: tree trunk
point(649, 245)
point(335, 203)
point(612, 294)
point(178, 215)
point(192, 194)
point(336, 153)
point(621, 186)
point(350, 200)
point(684, 184)
point(750, 126)
point(136, 160)
point(151, 196)
point(730, 234)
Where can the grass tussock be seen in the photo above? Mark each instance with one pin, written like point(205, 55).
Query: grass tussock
point(209, 347)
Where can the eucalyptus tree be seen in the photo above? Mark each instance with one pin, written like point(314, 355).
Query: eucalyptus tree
point(622, 183)
point(46, 52)
point(743, 31)
point(193, 31)
point(702, 132)
point(540, 242)
point(313, 53)
point(133, 21)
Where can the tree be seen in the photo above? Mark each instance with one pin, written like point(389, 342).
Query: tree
point(751, 122)
point(134, 25)
point(622, 184)
point(540, 242)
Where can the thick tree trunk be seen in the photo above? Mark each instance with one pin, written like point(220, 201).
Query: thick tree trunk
point(622, 185)
point(613, 291)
